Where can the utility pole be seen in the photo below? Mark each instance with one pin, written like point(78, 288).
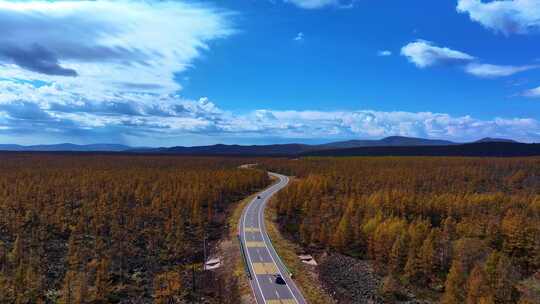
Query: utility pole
point(204, 259)
point(204, 250)
point(220, 290)
point(193, 283)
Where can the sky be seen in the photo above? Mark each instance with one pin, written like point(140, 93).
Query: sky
point(186, 72)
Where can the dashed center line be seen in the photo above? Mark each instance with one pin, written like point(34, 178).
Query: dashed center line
point(255, 241)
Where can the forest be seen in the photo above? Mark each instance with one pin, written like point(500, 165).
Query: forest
point(88, 228)
point(456, 230)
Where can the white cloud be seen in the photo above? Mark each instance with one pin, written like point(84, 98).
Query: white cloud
point(508, 17)
point(105, 71)
point(299, 37)
point(384, 53)
point(492, 71)
point(316, 4)
point(136, 118)
point(425, 54)
point(375, 124)
point(101, 49)
point(533, 93)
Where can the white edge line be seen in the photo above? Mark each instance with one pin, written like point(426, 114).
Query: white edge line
point(250, 264)
point(261, 212)
point(243, 246)
point(268, 237)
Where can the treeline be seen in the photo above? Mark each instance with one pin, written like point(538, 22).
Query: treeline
point(459, 230)
point(110, 229)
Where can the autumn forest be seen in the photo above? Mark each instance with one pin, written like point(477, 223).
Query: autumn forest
point(85, 228)
point(457, 230)
point(105, 229)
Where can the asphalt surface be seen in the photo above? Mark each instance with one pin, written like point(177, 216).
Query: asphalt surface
point(263, 261)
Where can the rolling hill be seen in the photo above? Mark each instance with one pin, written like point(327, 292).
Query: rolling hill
point(390, 141)
point(484, 149)
point(388, 146)
point(295, 149)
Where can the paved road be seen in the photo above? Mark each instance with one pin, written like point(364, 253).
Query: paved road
point(263, 261)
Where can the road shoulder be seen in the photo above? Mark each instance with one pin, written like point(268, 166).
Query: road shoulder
point(228, 248)
point(305, 277)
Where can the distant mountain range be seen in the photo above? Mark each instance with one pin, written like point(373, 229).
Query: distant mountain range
point(391, 141)
point(393, 145)
point(303, 149)
point(500, 140)
point(294, 149)
point(255, 150)
point(485, 149)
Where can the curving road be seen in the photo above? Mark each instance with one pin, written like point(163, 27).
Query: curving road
point(262, 259)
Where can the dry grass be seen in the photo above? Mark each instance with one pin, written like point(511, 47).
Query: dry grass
point(305, 276)
point(230, 249)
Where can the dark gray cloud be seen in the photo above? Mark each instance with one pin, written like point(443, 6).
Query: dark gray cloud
point(24, 110)
point(125, 55)
point(317, 4)
point(98, 108)
point(113, 47)
point(139, 86)
point(36, 58)
point(39, 43)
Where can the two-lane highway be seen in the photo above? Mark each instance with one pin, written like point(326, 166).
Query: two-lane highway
point(263, 262)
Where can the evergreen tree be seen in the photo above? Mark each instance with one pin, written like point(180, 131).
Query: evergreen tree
point(398, 254)
point(102, 279)
point(455, 285)
point(478, 289)
point(69, 288)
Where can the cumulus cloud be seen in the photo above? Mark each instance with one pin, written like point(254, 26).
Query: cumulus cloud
point(508, 17)
point(384, 53)
point(375, 124)
point(49, 111)
point(533, 93)
point(316, 4)
point(105, 70)
point(425, 54)
point(492, 71)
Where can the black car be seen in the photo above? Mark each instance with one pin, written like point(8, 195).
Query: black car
point(280, 280)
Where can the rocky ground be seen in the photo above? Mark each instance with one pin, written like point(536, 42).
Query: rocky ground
point(349, 280)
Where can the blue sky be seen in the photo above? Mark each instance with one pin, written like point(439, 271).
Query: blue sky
point(260, 71)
